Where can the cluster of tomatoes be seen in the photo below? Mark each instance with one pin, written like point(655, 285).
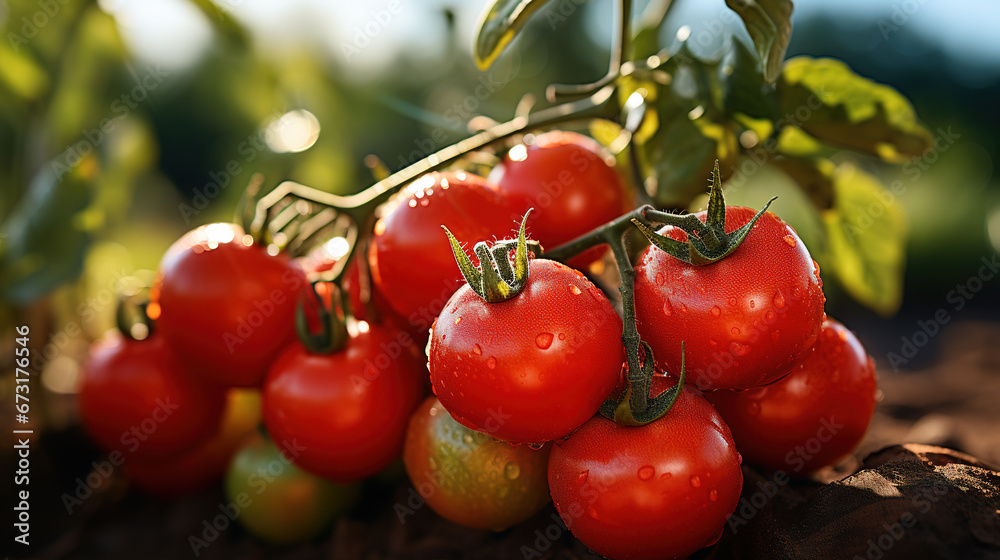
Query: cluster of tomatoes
point(518, 370)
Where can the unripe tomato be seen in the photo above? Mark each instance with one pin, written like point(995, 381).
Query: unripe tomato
point(659, 491)
point(813, 417)
point(746, 320)
point(138, 399)
point(348, 409)
point(534, 367)
point(277, 501)
point(470, 478)
point(226, 306)
point(411, 261)
point(569, 180)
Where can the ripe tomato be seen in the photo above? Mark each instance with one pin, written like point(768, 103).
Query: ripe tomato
point(226, 307)
point(279, 502)
point(746, 320)
point(411, 260)
point(534, 367)
point(569, 180)
point(470, 478)
point(814, 416)
point(206, 463)
point(348, 409)
point(138, 399)
point(663, 490)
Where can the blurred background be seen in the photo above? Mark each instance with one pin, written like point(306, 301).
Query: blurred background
point(125, 123)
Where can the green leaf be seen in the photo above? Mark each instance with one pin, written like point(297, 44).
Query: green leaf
point(746, 90)
point(21, 74)
point(769, 23)
point(498, 26)
point(47, 234)
point(814, 176)
point(224, 23)
point(829, 101)
point(866, 238)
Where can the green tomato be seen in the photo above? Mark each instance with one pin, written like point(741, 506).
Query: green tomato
point(470, 478)
point(279, 502)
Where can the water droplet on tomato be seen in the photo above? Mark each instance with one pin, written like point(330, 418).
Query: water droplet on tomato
point(732, 301)
point(716, 311)
point(424, 202)
point(477, 350)
point(583, 477)
point(713, 494)
point(412, 203)
point(646, 472)
point(536, 446)
point(544, 340)
point(666, 476)
point(879, 395)
point(735, 331)
point(511, 471)
point(753, 408)
point(790, 240)
point(458, 319)
point(592, 512)
point(491, 363)
point(769, 316)
point(779, 300)
point(667, 309)
point(739, 458)
point(575, 290)
point(739, 348)
point(753, 304)
point(683, 308)
point(695, 481)
point(562, 336)
point(660, 280)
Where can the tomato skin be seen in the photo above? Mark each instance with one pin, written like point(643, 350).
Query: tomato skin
point(533, 368)
point(348, 409)
point(569, 180)
point(227, 308)
point(830, 398)
point(746, 320)
point(205, 464)
point(279, 502)
point(139, 400)
point(663, 490)
point(470, 478)
point(411, 261)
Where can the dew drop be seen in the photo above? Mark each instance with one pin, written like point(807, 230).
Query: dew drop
point(769, 316)
point(424, 202)
point(790, 240)
point(753, 408)
point(491, 363)
point(667, 309)
point(477, 350)
point(646, 472)
point(713, 494)
point(666, 476)
point(716, 311)
point(732, 301)
point(512, 471)
point(412, 203)
point(660, 280)
point(739, 458)
point(453, 310)
point(583, 477)
point(683, 308)
point(458, 319)
point(575, 290)
point(739, 348)
point(695, 481)
point(712, 342)
point(544, 340)
point(879, 395)
point(562, 336)
point(735, 331)
point(779, 300)
point(753, 304)
point(592, 512)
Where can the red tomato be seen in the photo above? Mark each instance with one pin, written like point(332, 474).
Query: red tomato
point(138, 399)
point(813, 417)
point(659, 491)
point(569, 180)
point(470, 478)
point(343, 415)
point(533, 368)
point(746, 320)
point(411, 260)
point(206, 463)
point(227, 307)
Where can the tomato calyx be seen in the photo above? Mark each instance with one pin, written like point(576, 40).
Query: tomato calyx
point(496, 278)
point(136, 313)
point(625, 409)
point(332, 335)
point(708, 241)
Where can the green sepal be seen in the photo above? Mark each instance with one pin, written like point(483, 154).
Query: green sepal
point(332, 335)
point(707, 241)
point(623, 410)
point(496, 279)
